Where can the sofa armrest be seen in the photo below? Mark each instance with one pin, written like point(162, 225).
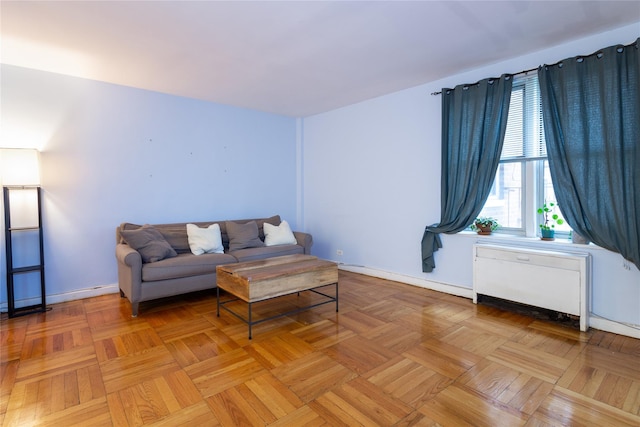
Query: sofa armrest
point(128, 256)
point(305, 240)
point(129, 274)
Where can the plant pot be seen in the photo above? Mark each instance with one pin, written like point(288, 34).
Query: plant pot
point(484, 230)
point(547, 234)
point(576, 238)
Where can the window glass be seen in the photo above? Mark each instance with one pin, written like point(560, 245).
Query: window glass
point(549, 194)
point(505, 201)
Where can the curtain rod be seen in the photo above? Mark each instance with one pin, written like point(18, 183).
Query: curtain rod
point(512, 75)
point(598, 52)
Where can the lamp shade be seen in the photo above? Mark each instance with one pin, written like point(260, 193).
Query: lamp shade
point(19, 166)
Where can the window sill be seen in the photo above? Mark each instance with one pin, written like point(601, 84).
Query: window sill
point(536, 242)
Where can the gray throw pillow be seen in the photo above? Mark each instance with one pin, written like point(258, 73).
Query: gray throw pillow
point(243, 235)
point(148, 241)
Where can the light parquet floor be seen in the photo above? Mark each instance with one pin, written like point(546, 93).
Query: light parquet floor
point(395, 355)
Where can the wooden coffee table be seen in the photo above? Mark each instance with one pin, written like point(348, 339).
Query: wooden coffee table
point(255, 281)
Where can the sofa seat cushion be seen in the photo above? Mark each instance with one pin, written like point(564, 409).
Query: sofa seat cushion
point(185, 265)
point(250, 254)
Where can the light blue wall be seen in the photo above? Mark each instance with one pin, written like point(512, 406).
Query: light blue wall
point(112, 154)
point(372, 183)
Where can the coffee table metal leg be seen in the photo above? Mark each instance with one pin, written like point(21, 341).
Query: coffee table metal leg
point(249, 319)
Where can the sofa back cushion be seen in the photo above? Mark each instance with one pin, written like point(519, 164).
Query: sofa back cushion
point(275, 220)
point(205, 240)
point(176, 234)
point(149, 243)
point(243, 236)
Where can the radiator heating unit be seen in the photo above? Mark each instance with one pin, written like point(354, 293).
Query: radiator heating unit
point(553, 280)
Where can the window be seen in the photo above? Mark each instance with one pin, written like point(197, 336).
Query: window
point(522, 182)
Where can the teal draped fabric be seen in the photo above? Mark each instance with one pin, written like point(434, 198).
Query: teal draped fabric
point(474, 120)
point(591, 109)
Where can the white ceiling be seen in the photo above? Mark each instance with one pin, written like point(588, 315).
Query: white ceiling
point(295, 58)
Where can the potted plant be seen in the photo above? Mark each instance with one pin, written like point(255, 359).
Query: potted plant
point(551, 218)
point(484, 225)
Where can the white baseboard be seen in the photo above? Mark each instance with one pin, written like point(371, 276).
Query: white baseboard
point(614, 327)
point(66, 296)
point(595, 321)
point(415, 281)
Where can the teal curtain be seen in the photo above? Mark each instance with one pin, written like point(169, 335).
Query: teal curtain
point(474, 120)
point(591, 109)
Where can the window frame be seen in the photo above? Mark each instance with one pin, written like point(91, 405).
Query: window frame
point(531, 154)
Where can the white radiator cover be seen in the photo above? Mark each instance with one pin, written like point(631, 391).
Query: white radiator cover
point(553, 280)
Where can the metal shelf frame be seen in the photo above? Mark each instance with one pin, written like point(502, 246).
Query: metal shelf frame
point(12, 271)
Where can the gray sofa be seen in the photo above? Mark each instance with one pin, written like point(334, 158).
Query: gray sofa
point(144, 277)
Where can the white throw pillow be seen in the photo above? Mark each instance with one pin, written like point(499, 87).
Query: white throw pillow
point(278, 234)
point(205, 240)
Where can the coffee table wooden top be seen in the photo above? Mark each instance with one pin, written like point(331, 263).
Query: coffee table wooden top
point(258, 280)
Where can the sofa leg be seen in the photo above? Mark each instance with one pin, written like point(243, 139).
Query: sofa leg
point(121, 294)
point(134, 309)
